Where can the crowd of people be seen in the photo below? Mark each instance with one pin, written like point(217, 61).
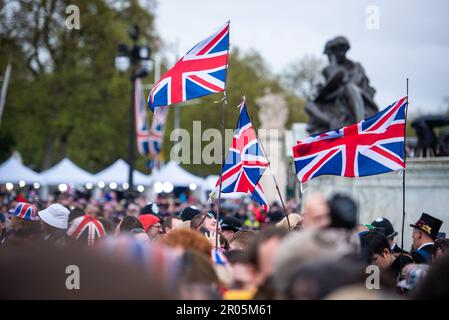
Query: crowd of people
point(168, 249)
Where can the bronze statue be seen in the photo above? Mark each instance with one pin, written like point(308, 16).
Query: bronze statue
point(346, 97)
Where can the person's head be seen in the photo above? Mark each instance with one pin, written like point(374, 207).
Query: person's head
point(440, 249)
point(342, 211)
point(129, 223)
point(294, 219)
point(188, 213)
point(92, 210)
point(263, 250)
point(24, 221)
point(376, 249)
point(188, 239)
point(198, 280)
point(241, 240)
point(316, 213)
point(75, 213)
point(151, 224)
point(425, 230)
point(55, 217)
point(387, 226)
point(150, 208)
point(172, 222)
point(86, 229)
point(229, 226)
point(435, 286)
point(206, 221)
point(133, 210)
point(411, 277)
point(243, 270)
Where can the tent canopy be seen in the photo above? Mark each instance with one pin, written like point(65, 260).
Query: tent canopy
point(118, 173)
point(66, 172)
point(13, 171)
point(173, 173)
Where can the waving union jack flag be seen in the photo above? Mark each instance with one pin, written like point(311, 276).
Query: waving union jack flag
point(245, 162)
point(372, 146)
point(202, 71)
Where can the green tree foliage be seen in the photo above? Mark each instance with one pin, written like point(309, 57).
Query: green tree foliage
point(66, 98)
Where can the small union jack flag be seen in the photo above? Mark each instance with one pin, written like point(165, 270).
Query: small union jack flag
point(245, 162)
point(202, 71)
point(372, 146)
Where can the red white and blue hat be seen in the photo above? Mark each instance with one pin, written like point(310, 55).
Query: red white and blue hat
point(25, 211)
point(86, 227)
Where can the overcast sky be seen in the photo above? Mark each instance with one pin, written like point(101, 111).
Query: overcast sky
point(412, 39)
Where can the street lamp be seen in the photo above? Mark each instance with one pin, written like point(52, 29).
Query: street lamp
point(138, 57)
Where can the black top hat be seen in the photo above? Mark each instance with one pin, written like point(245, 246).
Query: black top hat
point(428, 224)
point(231, 223)
point(384, 223)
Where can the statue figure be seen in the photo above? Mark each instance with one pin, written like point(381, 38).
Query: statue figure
point(346, 97)
point(429, 144)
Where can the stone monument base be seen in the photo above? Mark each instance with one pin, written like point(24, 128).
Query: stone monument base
point(427, 190)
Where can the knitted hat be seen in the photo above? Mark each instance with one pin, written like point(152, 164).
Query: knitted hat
point(148, 220)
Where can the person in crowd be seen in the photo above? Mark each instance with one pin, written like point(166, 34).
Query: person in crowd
point(411, 278)
point(188, 213)
point(171, 223)
point(440, 249)
point(425, 231)
point(377, 250)
point(24, 221)
point(229, 226)
point(152, 225)
point(2, 228)
point(244, 272)
point(385, 225)
point(151, 208)
point(294, 219)
point(343, 212)
point(133, 210)
point(262, 252)
point(435, 286)
point(86, 229)
point(316, 213)
point(241, 240)
point(55, 221)
point(187, 239)
point(205, 222)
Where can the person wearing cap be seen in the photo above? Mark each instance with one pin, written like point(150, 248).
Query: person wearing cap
point(425, 231)
point(385, 225)
point(25, 221)
point(55, 221)
point(188, 213)
point(411, 277)
point(87, 229)
point(151, 224)
point(229, 226)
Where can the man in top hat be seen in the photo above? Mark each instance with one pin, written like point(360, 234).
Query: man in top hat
point(386, 227)
point(425, 231)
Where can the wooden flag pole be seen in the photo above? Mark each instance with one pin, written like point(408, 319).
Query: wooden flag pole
point(269, 166)
point(223, 159)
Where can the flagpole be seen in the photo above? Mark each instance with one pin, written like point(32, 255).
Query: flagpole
point(269, 166)
point(223, 105)
point(403, 175)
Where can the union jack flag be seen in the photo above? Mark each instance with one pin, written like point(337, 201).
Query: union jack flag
point(141, 119)
point(157, 131)
point(86, 226)
point(372, 146)
point(245, 162)
point(202, 71)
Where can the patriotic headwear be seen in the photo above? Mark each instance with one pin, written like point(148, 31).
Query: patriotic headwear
point(86, 227)
point(25, 211)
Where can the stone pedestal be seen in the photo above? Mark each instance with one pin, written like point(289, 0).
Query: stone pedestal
point(273, 114)
point(427, 190)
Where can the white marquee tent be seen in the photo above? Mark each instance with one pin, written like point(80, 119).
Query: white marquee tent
point(66, 172)
point(13, 171)
point(118, 173)
point(177, 176)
